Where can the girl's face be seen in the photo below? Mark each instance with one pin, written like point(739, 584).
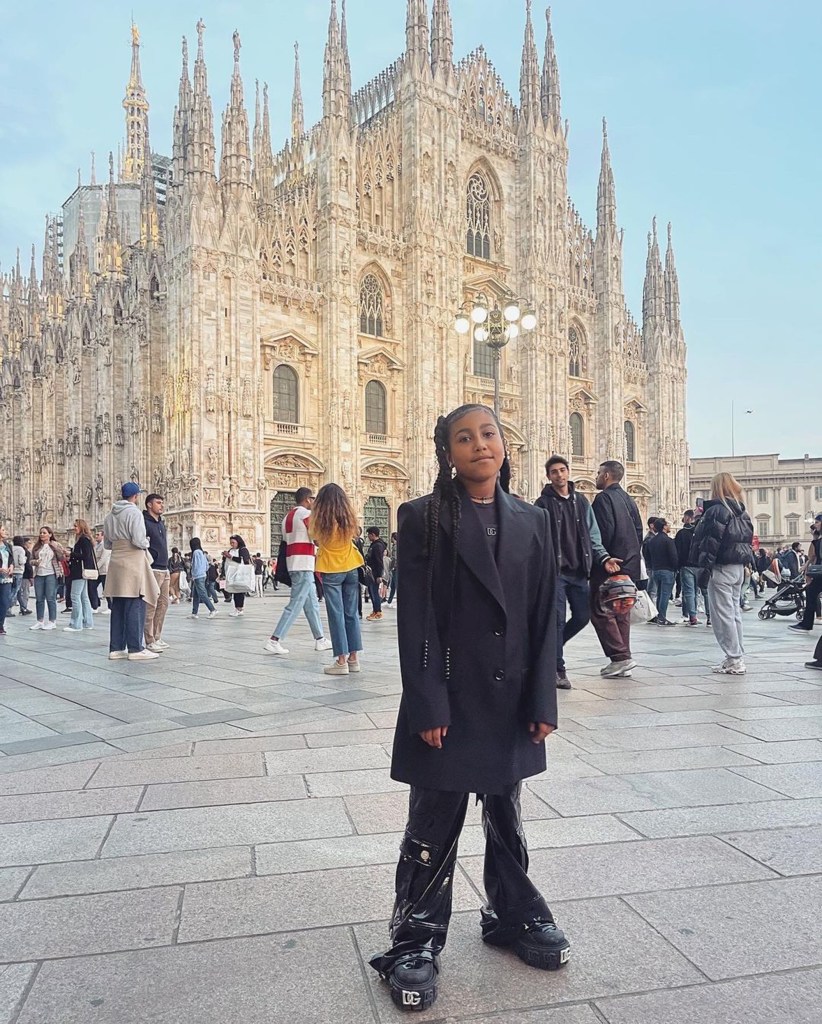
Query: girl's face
point(476, 448)
point(3, 533)
point(45, 536)
point(233, 543)
point(77, 529)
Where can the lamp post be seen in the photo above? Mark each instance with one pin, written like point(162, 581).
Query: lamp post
point(495, 327)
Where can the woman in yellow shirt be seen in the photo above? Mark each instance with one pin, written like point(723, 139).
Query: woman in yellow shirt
point(332, 527)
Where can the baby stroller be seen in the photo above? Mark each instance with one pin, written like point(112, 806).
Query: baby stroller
point(788, 599)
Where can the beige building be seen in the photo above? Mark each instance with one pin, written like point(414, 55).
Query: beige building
point(288, 318)
point(782, 495)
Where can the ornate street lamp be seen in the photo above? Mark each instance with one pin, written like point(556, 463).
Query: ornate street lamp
point(494, 327)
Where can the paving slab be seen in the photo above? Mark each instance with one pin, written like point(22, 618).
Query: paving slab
point(797, 780)
point(649, 790)
point(794, 851)
point(47, 780)
point(171, 795)
point(349, 738)
point(14, 980)
point(640, 761)
point(779, 752)
point(175, 769)
point(91, 876)
point(77, 925)
point(332, 759)
point(11, 881)
point(256, 981)
point(795, 997)
point(245, 746)
point(479, 979)
point(40, 842)
point(203, 827)
point(733, 930)
point(292, 902)
point(81, 803)
point(343, 783)
point(706, 820)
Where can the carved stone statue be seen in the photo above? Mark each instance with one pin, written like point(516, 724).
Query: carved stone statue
point(98, 488)
point(156, 416)
point(98, 432)
point(89, 497)
point(107, 428)
point(119, 431)
point(87, 441)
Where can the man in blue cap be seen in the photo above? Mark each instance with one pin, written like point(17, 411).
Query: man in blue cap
point(130, 583)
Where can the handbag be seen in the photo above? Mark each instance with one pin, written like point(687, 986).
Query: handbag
point(644, 608)
point(91, 574)
point(239, 578)
point(281, 573)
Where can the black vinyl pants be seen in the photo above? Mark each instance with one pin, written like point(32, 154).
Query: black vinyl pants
point(425, 873)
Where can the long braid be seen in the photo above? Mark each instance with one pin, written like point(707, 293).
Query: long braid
point(445, 491)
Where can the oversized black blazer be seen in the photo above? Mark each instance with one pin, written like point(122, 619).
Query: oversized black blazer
point(500, 628)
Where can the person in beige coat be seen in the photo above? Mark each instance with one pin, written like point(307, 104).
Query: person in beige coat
point(130, 583)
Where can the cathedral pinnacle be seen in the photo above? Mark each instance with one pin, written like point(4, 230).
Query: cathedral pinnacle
point(442, 38)
point(606, 192)
point(235, 159)
point(416, 32)
point(549, 84)
point(336, 71)
point(135, 105)
point(200, 146)
point(671, 286)
point(653, 297)
point(111, 255)
point(529, 85)
point(297, 117)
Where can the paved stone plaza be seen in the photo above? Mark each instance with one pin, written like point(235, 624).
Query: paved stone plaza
point(211, 838)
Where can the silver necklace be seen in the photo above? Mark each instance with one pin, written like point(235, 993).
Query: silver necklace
point(482, 501)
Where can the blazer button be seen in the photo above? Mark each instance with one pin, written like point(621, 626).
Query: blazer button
point(499, 632)
point(499, 675)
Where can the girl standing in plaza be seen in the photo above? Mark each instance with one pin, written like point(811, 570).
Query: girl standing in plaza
point(46, 556)
point(6, 577)
point(82, 557)
point(332, 527)
point(477, 643)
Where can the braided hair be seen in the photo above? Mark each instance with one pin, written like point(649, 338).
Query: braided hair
point(445, 498)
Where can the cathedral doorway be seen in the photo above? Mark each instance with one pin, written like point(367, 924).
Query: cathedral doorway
point(281, 505)
point(377, 512)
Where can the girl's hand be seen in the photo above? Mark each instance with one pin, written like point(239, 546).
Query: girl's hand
point(540, 730)
point(434, 737)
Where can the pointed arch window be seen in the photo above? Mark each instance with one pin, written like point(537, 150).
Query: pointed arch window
point(577, 360)
point(371, 306)
point(286, 395)
point(577, 428)
point(376, 417)
point(478, 216)
point(630, 441)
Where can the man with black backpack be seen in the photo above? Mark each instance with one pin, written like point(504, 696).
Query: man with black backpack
point(300, 557)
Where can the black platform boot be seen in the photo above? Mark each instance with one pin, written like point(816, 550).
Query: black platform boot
point(412, 980)
point(539, 943)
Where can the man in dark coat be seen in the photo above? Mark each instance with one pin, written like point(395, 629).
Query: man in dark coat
point(620, 526)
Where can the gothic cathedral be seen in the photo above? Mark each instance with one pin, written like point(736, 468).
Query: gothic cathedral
point(224, 335)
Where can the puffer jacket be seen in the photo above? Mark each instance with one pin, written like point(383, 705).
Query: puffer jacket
point(723, 536)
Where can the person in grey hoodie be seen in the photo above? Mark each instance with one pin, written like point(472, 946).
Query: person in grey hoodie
point(130, 583)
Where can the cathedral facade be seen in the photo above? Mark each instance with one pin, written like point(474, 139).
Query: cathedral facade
point(287, 318)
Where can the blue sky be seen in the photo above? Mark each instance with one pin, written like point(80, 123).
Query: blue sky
point(713, 114)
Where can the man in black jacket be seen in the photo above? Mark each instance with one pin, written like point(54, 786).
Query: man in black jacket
point(375, 560)
point(621, 529)
point(687, 567)
point(158, 552)
point(578, 545)
point(661, 551)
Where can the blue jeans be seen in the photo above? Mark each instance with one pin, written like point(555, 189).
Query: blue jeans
point(341, 590)
point(576, 592)
point(687, 575)
point(652, 585)
point(80, 605)
point(303, 599)
point(374, 594)
point(200, 595)
point(6, 597)
point(128, 620)
point(664, 580)
point(45, 593)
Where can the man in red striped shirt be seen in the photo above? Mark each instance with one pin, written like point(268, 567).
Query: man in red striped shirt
point(300, 559)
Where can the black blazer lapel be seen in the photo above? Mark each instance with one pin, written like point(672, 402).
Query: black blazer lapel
point(474, 550)
point(511, 537)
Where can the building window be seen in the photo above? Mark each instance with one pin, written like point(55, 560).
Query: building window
point(791, 494)
point(762, 494)
point(478, 216)
point(376, 420)
point(577, 363)
point(577, 428)
point(630, 442)
point(371, 306)
point(483, 359)
point(817, 494)
point(281, 505)
point(793, 528)
point(378, 513)
point(286, 395)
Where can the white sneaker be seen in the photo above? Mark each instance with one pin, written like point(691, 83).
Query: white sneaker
point(211, 615)
point(37, 625)
point(323, 644)
point(336, 669)
point(50, 625)
point(105, 611)
point(117, 655)
point(234, 614)
point(354, 666)
point(274, 646)
point(196, 616)
point(730, 667)
point(144, 655)
point(72, 629)
point(154, 647)
point(161, 645)
point(617, 668)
